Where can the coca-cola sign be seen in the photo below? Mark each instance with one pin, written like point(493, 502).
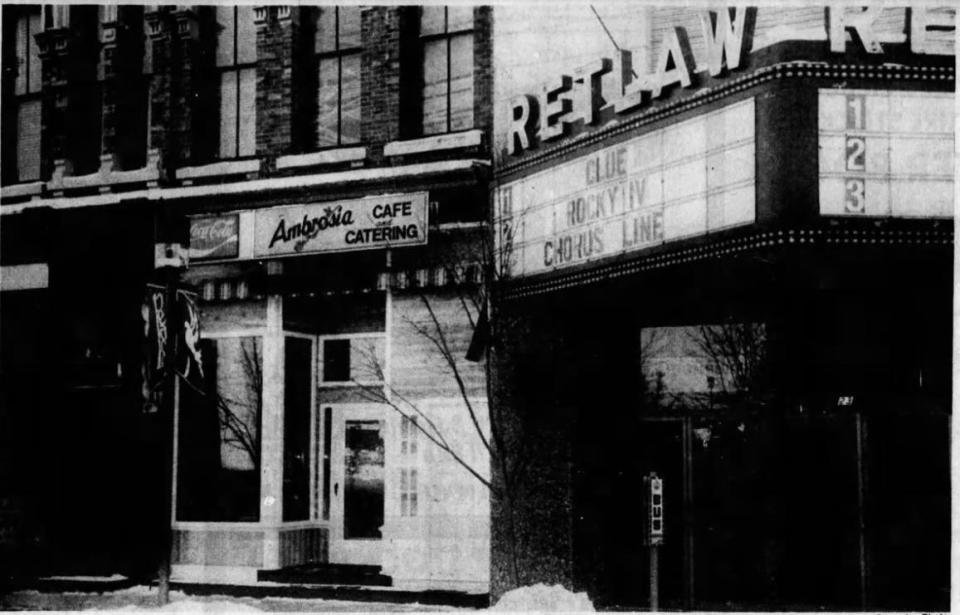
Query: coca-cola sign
point(214, 237)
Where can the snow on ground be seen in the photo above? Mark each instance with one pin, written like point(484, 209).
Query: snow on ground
point(143, 599)
point(543, 598)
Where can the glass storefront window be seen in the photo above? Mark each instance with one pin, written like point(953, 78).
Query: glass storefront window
point(363, 479)
point(353, 360)
point(218, 454)
point(298, 383)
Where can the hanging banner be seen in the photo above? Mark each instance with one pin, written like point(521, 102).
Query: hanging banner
point(153, 311)
point(189, 362)
point(181, 320)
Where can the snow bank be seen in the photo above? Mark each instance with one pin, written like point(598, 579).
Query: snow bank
point(178, 604)
point(547, 598)
point(194, 606)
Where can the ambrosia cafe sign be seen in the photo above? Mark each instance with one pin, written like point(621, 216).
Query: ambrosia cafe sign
point(338, 226)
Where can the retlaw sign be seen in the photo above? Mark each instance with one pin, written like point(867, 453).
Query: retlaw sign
point(578, 98)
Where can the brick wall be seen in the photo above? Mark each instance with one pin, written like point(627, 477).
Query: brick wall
point(278, 76)
point(166, 54)
point(483, 69)
point(194, 95)
point(157, 28)
point(380, 80)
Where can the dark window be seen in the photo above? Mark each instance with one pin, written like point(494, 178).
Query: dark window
point(336, 360)
point(236, 61)
point(84, 92)
point(297, 386)
point(363, 493)
point(56, 16)
point(359, 360)
point(446, 36)
point(218, 451)
point(327, 439)
point(131, 94)
point(337, 45)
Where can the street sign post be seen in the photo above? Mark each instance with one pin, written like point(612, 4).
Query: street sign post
point(653, 531)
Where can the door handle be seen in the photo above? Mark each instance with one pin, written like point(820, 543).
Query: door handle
point(336, 488)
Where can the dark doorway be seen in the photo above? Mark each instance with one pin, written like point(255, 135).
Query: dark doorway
point(616, 453)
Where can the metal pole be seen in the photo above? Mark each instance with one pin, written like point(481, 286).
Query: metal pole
point(654, 578)
point(688, 510)
point(166, 435)
point(861, 522)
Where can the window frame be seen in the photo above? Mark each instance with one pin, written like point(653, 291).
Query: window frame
point(260, 333)
point(55, 16)
point(408, 487)
point(314, 436)
point(447, 35)
point(31, 94)
point(321, 339)
point(238, 68)
point(338, 53)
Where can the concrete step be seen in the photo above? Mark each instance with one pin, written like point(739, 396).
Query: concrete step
point(327, 574)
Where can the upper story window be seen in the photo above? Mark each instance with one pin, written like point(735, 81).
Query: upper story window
point(109, 13)
point(56, 16)
point(337, 45)
point(26, 90)
point(236, 61)
point(127, 94)
point(446, 35)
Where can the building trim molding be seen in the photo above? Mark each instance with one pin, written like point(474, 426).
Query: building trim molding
point(330, 156)
point(24, 277)
point(456, 140)
point(521, 288)
point(411, 171)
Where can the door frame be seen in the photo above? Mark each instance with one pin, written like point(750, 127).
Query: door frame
point(368, 551)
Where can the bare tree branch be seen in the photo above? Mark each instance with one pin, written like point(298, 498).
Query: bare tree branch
point(439, 441)
point(452, 362)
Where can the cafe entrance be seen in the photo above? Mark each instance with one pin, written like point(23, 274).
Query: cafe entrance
point(358, 479)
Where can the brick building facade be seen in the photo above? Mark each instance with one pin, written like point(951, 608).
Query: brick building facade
point(226, 128)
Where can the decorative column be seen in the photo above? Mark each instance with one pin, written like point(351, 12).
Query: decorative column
point(157, 63)
point(187, 77)
point(55, 45)
point(271, 432)
point(119, 73)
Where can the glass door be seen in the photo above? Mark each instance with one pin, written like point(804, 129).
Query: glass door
point(357, 493)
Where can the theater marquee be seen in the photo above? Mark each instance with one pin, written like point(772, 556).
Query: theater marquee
point(886, 153)
point(680, 181)
point(338, 226)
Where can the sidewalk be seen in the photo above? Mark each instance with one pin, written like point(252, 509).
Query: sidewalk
point(144, 598)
